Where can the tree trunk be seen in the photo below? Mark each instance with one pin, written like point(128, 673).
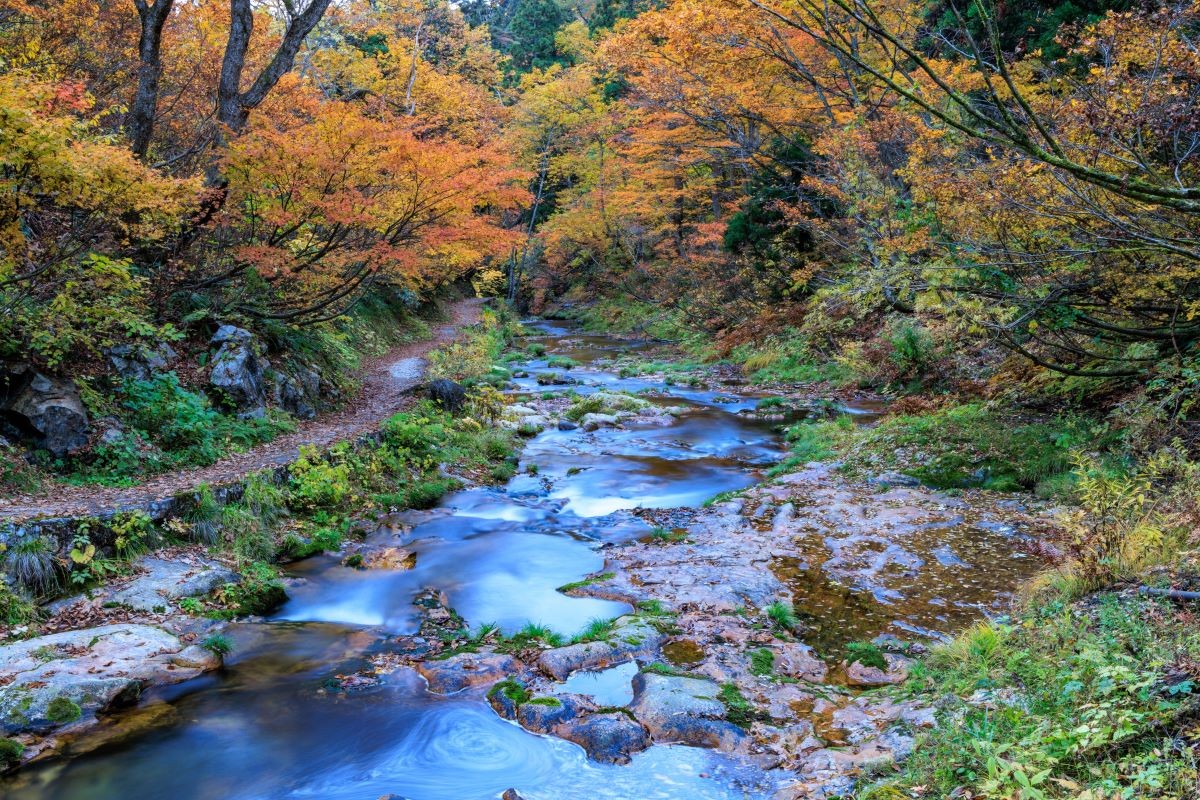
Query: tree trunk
point(234, 105)
point(140, 124)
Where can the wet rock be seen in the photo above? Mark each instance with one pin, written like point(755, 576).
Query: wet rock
point(567, 425)
point(887, 480)
point(609, 738)
point(631, 638)
point(166, 581)
point(64, 679)
point(796, 660)
point(393, 558)
point(542, 714)
point(449, 395)
point(511, 794)
point(45, 411)
point(239, 368)
point(140, 363)
point(859, 674)
point(466, 670)
point(592, 422)
point(683, 710)
point(502, 703)
point(894, 644)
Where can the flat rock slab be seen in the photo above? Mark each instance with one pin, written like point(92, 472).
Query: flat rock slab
point(631, 638)
point(50, 682)
point(683, 710)
point(608, 738)
point(467, 670)
point(166, 581)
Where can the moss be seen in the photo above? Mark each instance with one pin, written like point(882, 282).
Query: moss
point(549, 702)
point(513, 690)
point(63, 710)
point(259, 592)
point(866, 654)
point(10, 753)
point(601, 578)
point(218, 643)
point(762, 662)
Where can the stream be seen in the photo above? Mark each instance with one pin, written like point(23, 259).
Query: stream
point(267, 727)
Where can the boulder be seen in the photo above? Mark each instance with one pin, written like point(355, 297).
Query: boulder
point(466, 670)
point(43, 410)
point(135, 362)
point(239, 369)
point(64, 679)
point(567, 425)
point(591, 422)
point(609, 738)
point(543, 714)
point(683, 710)
point(449, 395)
point(166, 581)
point(859, 674)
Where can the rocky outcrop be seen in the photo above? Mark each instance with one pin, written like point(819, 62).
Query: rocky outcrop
point(243, 378)
point(63, 680)
point(43, 411)
point(239, 368)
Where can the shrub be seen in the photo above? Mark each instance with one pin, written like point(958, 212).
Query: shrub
point(317, 482)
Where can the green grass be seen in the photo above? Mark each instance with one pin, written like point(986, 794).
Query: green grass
point(596, 629)
point(1090, 699)
point(782, 615)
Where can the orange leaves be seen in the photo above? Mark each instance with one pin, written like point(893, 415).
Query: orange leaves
point(326, 195)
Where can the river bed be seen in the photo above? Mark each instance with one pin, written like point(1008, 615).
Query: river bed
point(269, 726)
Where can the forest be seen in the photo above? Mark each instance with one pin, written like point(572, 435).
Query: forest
point(271, 271)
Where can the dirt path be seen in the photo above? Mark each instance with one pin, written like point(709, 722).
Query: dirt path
point(386, 380)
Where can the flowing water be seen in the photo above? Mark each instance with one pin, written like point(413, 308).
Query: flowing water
point(266, 727)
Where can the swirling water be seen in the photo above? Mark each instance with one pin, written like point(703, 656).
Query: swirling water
point(265, 729)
